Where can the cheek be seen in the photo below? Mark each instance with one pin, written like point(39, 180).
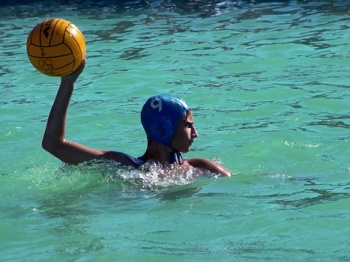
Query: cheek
point(186, 133)
point(182, 135)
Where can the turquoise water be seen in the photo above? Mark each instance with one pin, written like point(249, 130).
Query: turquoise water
point(268, 84)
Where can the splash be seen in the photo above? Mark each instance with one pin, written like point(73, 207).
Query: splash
point(154, 176)
point(93, 175)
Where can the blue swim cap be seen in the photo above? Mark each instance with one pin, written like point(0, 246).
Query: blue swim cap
point(160, 116)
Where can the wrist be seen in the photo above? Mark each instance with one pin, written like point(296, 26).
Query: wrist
point(67, 83)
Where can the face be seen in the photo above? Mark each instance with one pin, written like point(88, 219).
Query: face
point(185, 133)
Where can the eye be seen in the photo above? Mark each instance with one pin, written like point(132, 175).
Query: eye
point(189, 124)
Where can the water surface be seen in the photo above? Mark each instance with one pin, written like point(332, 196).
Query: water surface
point(268, 84)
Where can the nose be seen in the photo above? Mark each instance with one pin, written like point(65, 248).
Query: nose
point(194, 132)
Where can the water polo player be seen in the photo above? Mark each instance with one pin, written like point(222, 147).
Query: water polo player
point(167, 121)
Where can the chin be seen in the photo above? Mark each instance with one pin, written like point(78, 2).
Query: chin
point(186, 150)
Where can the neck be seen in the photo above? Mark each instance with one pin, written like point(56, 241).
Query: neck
point(158, 152)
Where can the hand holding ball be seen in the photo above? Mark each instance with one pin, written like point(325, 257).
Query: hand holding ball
point(56, 47)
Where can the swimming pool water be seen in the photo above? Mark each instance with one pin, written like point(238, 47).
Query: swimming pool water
point(268, 84)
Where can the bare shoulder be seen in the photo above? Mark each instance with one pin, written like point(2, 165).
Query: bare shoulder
point(207, 165)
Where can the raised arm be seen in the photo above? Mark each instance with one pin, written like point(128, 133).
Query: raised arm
point(54, 140)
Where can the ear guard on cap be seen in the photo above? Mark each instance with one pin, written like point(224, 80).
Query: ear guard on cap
point(160, 130)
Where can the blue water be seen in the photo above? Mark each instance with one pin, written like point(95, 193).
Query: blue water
point(268, 84)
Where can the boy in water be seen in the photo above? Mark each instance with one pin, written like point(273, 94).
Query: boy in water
point(167, 121)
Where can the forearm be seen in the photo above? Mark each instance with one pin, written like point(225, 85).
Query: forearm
point(54, 135)
point(56, 123)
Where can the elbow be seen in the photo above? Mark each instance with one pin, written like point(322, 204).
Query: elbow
point(54, 148)
point(50, 145)
point(47, 145)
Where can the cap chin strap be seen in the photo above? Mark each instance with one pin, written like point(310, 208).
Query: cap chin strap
point(176, 157)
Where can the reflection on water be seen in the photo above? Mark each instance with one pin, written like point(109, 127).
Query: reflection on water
point(201, 8)
point(314, 194)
